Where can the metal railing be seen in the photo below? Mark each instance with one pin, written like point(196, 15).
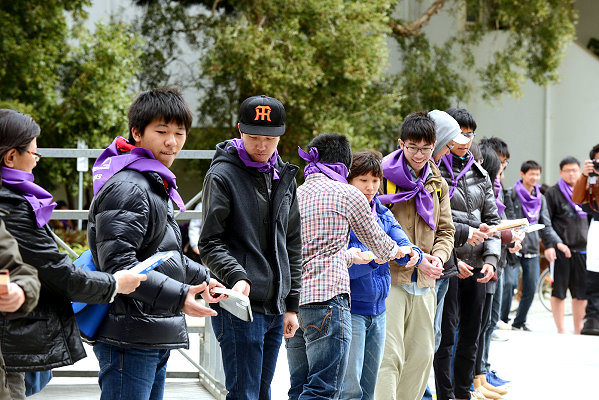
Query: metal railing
point(209, 369)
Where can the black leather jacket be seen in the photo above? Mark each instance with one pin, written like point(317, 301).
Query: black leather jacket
point(48, 336)
point(127, 215)
point(249, 235)
point(473, 199)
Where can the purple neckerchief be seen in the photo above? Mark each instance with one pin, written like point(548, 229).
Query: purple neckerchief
point(448, 162)
point(395, 169)
point(530, 205)
point(497, 187)
point(567, 192)
point(40, 199)
point(376, 215)
point(139, 159)
point(336, 171)
point(265, 167)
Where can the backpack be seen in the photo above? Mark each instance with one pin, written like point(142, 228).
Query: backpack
point(90, 316)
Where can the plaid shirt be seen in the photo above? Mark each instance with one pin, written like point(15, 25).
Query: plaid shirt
point(328, 210)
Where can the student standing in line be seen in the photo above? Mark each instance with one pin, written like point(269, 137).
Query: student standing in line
point(571, 225)
point(329, 208)
point(419, 199)
point(131, 218)
point(369, 285)
point(250, 239)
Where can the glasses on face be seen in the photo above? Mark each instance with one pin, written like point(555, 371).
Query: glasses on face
point(469, 135)
point(36, 156)
point(450, 146)
point(426, 151)
point(505, 163)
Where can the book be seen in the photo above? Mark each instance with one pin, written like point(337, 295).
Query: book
point(533, 228)
point(236, 303)
point(151, 262)
point(4, 281)
point(509, 224)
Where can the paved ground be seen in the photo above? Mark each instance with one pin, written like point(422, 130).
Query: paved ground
point(542, 365)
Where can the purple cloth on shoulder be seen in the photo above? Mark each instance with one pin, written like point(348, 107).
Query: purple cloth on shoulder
point(531, 205)
point(39, 198)
point(267, 167)
point(395, 169)
point(138, 159)
point(567, 192)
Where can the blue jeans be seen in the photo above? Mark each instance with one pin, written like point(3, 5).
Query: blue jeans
point(318, 353)
point(510, 281)
point(530, 277)
point(131, 374)
point(365, 355)
point(249, 351)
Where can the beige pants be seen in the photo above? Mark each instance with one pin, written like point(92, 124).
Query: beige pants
point(409, 345)
point(12, 385)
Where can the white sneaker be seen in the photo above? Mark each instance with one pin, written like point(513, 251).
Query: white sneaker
point(496, 337)
point(503, 326)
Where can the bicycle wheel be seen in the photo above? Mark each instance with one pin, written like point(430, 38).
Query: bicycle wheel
point(544, 289)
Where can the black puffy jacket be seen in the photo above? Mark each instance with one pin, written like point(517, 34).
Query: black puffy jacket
point(47, 337)
point(128, 215)
point(473, 199)
point(247, 234)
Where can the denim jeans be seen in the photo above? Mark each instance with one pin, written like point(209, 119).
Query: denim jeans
point(441, 287)
point(318, 353)
point(249, 351)
point(365, 354)
point(530, 277)
point(131, 374)
point(510, 281)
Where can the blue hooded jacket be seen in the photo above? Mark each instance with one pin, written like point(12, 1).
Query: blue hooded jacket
point(369, 283)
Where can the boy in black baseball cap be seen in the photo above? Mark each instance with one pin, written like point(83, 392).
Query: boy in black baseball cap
point(250, 240)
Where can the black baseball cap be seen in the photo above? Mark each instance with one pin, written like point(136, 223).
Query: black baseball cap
point(262, 115)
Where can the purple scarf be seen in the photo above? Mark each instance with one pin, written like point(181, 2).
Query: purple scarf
point(448, 162)
point(267, 167)
point(530, 205)
point(21, 182)
point(376, 215)
point(497, 187)
point(139, 159)
point(336, 171)
point(395, 169)
point(567, 192)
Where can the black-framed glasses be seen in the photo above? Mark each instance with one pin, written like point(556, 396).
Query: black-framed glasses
point(505, 163)
point(426, 151)
point(36, 156)
point(450, 146)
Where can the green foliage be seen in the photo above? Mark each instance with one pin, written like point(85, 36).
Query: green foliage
point(71, 81)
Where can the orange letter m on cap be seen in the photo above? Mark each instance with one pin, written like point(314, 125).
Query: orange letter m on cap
point(262, 112)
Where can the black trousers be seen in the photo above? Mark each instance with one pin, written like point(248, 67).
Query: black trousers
point(483, 331)
point(462, 311)
point(592, 295)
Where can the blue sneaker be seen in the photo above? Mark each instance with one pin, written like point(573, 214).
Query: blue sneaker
point(427, 394)
point(494, 380)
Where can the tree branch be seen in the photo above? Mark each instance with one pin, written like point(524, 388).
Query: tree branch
point(214, 6)
point(415, 27)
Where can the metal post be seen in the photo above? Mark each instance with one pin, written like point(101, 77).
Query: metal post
point(80, 200)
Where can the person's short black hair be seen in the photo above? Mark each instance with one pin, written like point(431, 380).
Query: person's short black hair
point(594, 152)
point(491, 162)
point(464, 118)
point(530, 164)
point(475, 150)
point(366, 162)
point(498, 145)
point(418, 126)
point(568, 160)
point(332, 148)
point(166, 103)
point(16, 131)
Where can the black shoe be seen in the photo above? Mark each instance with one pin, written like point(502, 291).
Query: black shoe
point(521, 327)
point(591, 327)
